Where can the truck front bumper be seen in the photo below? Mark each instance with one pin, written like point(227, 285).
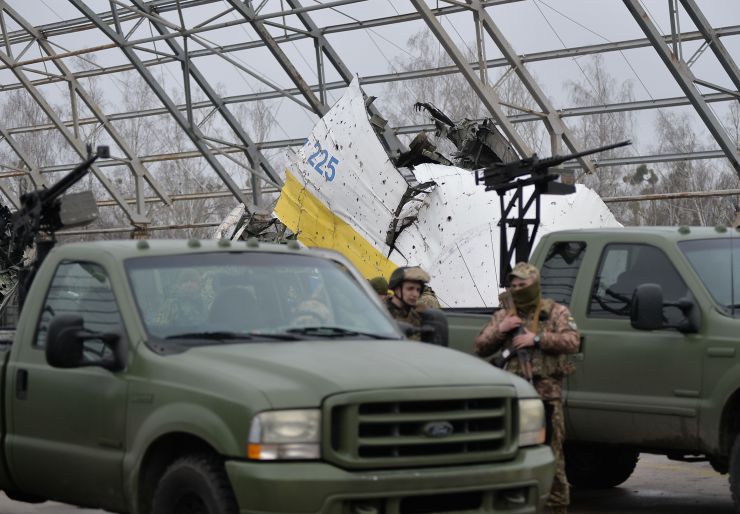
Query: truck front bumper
point(519, 486)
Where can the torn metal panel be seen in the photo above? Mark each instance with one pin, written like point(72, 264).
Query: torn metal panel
point(479, 144)
point(456, 234)
point(345, 168)
point(343, 192)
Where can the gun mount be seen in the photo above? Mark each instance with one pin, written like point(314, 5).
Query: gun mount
point(516, 175)
point(41, 214)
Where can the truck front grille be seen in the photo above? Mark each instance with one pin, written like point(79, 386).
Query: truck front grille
point(459, 425)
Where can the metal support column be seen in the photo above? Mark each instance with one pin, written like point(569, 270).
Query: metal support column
point(685, 80)
point(318, 106)
point(715, 43)
point(254, 155)
point(76, 143)
point(133, 161)
point(192, 131)
point(394, 145)
point(553, 121)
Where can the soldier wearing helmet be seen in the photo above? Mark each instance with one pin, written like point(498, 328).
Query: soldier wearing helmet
point(380, 286)
point(407, 284)
point(539, 332)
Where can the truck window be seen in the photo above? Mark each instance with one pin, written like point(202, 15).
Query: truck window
point(623, 267)
point(717, 262)
point(560, 269)
point(251, 293)
point(83, 289)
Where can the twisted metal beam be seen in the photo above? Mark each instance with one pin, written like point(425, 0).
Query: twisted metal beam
point(132, 160)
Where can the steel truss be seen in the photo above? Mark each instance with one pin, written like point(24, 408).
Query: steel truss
point(185, 44)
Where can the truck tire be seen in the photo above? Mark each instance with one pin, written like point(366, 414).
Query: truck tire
point(195, 484)
point(734, 473)
point(593, 466)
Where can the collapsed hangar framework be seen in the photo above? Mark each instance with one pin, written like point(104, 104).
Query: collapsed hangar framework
point(181, 33)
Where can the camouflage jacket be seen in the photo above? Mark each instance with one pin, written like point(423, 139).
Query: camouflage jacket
point(406, 314)
point(558, 337)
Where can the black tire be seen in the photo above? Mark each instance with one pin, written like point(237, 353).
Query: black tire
point(195, 484)
point(595, 466)
point(734, 474)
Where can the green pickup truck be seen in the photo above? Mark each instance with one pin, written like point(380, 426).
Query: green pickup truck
point(182, 377)
point(659, 366)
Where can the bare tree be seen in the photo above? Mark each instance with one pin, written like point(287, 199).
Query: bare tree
point(677, 133)
point(599, 87)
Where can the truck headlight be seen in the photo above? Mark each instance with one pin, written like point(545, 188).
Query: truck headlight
point(531, 422)
point(285, 434)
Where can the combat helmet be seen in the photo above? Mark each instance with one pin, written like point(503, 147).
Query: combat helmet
point(379, 284)
point(408, 274)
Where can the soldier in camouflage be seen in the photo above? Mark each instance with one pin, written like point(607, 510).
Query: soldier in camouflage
point(184, 306)
point(546, 332)
point(380, 286)
point(407, 284)
point(429, 298)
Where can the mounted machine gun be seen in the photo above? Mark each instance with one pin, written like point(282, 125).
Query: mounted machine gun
point(42, 213)
point(503, 177)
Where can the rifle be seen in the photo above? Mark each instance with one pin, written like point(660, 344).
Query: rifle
point(43, 210)
point(522, 354)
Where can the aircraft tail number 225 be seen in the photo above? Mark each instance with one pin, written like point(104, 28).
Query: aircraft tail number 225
point(322, 162)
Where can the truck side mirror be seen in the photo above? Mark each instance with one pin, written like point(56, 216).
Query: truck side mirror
point(65, 344)
point(647, 310)
point(434, 328)
point(647, 307)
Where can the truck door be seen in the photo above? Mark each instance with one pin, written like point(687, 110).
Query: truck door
point(66, 426)
point(634, 386)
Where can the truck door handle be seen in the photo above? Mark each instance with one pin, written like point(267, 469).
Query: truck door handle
point(21, 384)
point(579, 356)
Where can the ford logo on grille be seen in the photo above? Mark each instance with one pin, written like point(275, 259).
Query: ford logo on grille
point(437, 429)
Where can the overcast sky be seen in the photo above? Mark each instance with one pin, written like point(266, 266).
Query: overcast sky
point(530, 26)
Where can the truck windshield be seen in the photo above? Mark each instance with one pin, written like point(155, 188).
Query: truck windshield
point(717, 262)
point(248, 296)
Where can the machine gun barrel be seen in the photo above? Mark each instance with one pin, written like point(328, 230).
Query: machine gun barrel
point(556, 160)
point(500, 176)
point(47, 196)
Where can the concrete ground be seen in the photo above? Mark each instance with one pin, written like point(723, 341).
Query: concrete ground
point(658, 486)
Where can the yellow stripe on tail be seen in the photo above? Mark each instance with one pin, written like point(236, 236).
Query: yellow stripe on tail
point(303, 213)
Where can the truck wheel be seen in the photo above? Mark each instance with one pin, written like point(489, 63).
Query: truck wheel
point(734, 472)
point(598, 467)
point(196, 484)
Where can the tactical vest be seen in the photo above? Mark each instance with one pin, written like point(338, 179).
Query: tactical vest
point(544, 365)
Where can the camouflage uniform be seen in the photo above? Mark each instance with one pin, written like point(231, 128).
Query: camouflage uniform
point(428, 298)
point(184, 306)
point(406, 314)
point(312, 313)
point(558, 336)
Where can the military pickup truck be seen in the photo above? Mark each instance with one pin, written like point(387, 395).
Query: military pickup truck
point(186, 377)
point(659, 366)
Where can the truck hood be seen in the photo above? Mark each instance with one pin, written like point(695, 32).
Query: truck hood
point(303, 373)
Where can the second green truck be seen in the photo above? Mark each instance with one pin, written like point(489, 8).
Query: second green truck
point(659, 365)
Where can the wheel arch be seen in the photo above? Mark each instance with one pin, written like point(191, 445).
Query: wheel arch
point(729, 426)
point(157, 458)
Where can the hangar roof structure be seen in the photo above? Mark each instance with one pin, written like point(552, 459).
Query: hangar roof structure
point(203, 62)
